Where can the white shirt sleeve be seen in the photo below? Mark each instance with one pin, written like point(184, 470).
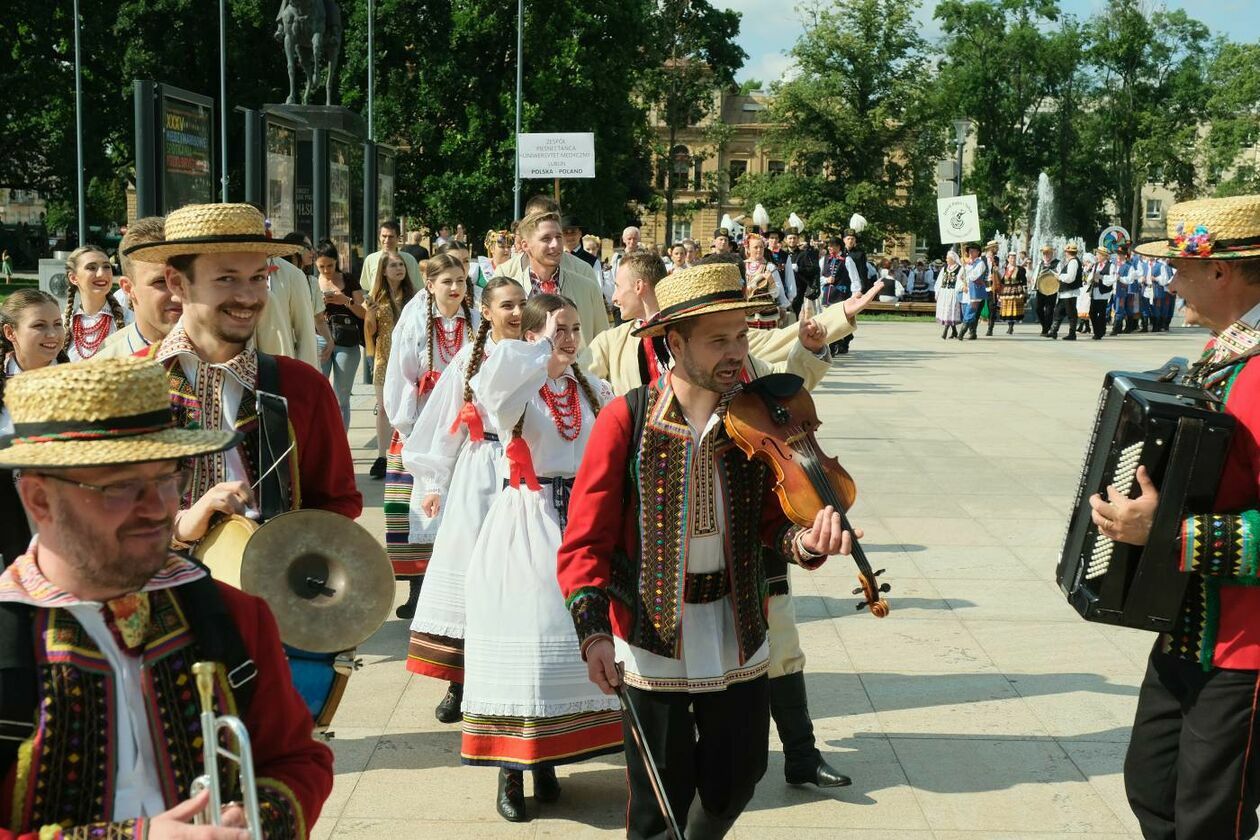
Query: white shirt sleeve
point(406, 349)
point(431, 449)
point(509, 379)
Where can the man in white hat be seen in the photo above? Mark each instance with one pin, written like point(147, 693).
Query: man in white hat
point(696, 675)
point(294, 452)
point(1194, 753)
point(1071, 278)
point(100, 625)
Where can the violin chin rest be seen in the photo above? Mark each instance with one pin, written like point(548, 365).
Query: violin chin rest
point(778, 386)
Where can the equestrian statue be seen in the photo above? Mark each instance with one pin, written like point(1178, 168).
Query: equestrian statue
point(311, 33)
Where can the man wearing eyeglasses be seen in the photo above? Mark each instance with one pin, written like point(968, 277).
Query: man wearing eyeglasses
point(100, 625)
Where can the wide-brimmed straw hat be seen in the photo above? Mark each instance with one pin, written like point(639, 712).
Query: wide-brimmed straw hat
point(1071, 248)
point(991, 245)
point(1210, 229)
point(701, 290)
point(115, 411)
point(213, 229)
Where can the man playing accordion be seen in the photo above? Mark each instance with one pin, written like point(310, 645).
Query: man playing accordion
point(1192, 769)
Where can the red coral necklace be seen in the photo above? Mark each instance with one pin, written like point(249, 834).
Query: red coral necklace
point(87, 340)
point(565, 408)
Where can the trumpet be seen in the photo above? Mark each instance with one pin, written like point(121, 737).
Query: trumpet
point(211, 725)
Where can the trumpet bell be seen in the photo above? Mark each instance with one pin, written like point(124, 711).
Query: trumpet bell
point(326, 578)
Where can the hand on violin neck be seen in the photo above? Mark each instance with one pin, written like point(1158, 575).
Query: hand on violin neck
point(827, 536)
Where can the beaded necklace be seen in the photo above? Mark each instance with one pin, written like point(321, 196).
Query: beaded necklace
point(565, 408)
point(87, 340)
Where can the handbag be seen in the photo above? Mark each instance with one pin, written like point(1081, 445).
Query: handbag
point(345, 329)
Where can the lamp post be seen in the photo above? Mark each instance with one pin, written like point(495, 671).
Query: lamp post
point(962, 127)
point(516, 143)
point(223, 107)
point(78, 128)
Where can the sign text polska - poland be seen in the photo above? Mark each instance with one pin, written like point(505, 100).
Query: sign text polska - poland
point(570, 155)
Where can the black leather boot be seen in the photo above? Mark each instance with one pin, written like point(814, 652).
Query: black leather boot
point(408, 610)
point(1010, 328)
point(448, 710)
point(510, 799)
point(546, 785)
point(953, 331)
point(803, 764)
point(945, 333)
point(701, 825)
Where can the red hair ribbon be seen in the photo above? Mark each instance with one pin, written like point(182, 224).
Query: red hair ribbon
point(470, 417)
point(522, 464)
point(428, 382)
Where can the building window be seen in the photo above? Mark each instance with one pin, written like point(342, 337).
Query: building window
point(737, 169)
point(776, 167)
point(697, 176)
point(681, 231)
point(1154, 208)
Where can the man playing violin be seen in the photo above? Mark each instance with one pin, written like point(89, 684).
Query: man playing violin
point(662, 569)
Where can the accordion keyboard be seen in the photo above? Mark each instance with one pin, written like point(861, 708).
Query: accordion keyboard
point(1123, 479)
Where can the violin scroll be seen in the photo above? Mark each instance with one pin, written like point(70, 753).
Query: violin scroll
point(872, 594)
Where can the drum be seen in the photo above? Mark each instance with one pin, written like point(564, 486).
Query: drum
point(223, 546)
point(321, 680)
point(1048, 283)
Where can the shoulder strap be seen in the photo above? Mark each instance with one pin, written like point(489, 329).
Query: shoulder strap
point(637, 401)
point(219, 638)
point(17, 681)
point(275, 494)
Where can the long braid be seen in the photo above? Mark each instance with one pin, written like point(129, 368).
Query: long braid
point(119, 320)
point(474, 361)
point(433, 326)
point(587, 389)
point(468, 318)
point(67, 317)
point(6, 347)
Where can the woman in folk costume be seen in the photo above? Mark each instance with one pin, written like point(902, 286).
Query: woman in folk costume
point(391, 291)
point(761, 278)
point(1084, 298)
point(454, 455)
point(528, 703)
point(1014, 293)
point(92, 314)
point(498, 252)
point(31, 336)
point(431, 330)
point(949, 291)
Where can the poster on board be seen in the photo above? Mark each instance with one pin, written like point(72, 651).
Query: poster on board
point(958, 218)
point(187, 151)
point(565, 155)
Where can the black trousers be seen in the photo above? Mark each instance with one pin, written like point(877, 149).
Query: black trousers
point(1192, 771)
point(1098, 318)
point(1065, 308)
point(714, 744)
point(993, 310)
point(1045, 310)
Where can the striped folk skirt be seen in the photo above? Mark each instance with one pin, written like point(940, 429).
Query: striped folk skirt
point(409, 559)
point(1011, 301)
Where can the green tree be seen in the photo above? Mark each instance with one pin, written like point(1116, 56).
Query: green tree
point(693, 54)
point(1233, 109)
point(1150, 93)
point(855, 123)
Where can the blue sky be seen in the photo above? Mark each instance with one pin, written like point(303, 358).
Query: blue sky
point(770, 27)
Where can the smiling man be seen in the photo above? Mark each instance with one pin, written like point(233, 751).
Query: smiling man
point(100, 625)
point(1193, 766)
point(216, 264)
point(144, 283)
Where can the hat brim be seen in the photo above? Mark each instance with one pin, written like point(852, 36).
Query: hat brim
point(1160, 248)
point(166, 445)
point(655, 327)
point(161, 251)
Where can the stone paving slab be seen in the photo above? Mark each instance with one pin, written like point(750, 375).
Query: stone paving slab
point(982, 707)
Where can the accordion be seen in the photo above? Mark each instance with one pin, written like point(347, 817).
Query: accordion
point(1181, 434)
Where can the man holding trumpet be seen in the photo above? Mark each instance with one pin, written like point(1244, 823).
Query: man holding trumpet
point(100, 626)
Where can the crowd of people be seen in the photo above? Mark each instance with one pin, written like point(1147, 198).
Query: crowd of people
point(577, 528)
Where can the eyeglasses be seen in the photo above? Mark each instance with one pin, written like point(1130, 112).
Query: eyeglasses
point(122, 494)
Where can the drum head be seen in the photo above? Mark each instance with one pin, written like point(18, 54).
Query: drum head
point(1048, 283)
point(326, 578)
point(223, 546)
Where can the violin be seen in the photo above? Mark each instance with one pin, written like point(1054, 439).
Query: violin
point(773, 419)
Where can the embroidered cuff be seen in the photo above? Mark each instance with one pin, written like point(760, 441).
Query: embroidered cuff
point(589, 608)
point(1222, 545)
point(125, 830)
point(279, 810)
point(790, 546)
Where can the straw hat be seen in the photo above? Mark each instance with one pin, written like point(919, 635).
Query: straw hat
point(1047, 249)
point(1103, 250)
point(1071, 248)
point(1210, 229)
point(700, 290)
point(991, 245)
point(213, 229)
point(115, 411)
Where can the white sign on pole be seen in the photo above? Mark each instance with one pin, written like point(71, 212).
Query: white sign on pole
point(570, 155)
point(959, 219)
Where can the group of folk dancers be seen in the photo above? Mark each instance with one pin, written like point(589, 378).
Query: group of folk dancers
point(495, 413)
point(1129, 293)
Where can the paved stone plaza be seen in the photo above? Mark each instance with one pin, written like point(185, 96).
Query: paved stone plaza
point(982, 707)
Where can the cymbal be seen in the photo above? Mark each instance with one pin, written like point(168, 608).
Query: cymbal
point(220, 550)
point(326, 578)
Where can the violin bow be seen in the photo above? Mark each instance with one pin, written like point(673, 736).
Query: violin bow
point(649, 763)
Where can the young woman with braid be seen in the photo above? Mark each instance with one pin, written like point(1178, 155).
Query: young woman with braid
point(391, 291)
point(31, 336)
point(431, 330)
point(527, 702)
point(92, 314)
point(454, 454)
